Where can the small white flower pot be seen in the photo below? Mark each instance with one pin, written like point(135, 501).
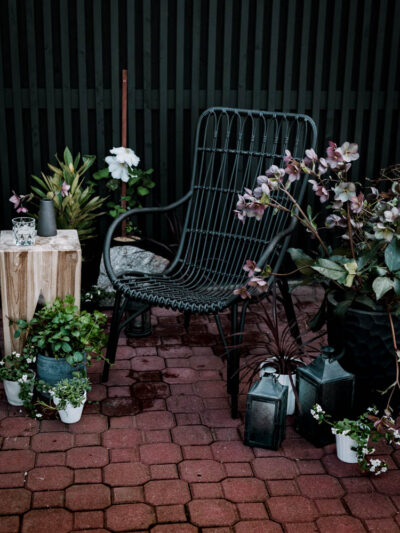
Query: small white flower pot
point(70, 415)
point(13, 388)
point(283, 379)
point(344, 443)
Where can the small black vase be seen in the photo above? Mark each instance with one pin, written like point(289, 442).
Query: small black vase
point(47, 219)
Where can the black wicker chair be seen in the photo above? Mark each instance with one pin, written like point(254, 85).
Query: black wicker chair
point(232, 148)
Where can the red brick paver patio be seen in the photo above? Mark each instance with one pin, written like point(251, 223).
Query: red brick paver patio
point(158, 450)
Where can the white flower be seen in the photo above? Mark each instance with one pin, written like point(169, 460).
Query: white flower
point(1, 363)
point(118, 171)
point(126, 155)
point(365, 451)
point(38, 415)
point(334, 431)
point(28, 360)
point(346, 432)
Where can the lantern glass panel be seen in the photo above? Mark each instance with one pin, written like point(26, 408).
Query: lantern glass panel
point(262, 420)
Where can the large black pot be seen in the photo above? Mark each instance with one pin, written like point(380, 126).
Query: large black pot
point(366, 338)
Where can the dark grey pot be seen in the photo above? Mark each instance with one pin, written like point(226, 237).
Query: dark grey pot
point(47, 226)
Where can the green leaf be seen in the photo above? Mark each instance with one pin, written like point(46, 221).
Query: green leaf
point(351, 268)
point(329, 269)
point(143, 191)
point(100, 174)
point(66, 347)
point(68, 156)
point(392, 256)
point(396, 286)
point(381, 286)
point(301, 260)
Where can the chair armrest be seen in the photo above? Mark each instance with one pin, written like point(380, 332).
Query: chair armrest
point(123, 216)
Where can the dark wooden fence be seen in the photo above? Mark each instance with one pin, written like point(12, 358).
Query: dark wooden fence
point(61, 61)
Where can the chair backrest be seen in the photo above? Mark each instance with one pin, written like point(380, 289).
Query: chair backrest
point(233, 147)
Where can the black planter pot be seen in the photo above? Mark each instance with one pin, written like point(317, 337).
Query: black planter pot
point(366, 338)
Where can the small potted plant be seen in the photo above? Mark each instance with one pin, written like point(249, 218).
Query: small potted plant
point(281, 353)
point(63, 339)
point(353, 437)
point(69, 397)
point(18, 377)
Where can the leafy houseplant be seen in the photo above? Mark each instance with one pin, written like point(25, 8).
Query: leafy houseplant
point(75, 202)
point(61, 332)
point(367, 427)
point(18, 377)
point(135, 182)
point(69, 397)
point(363, 270)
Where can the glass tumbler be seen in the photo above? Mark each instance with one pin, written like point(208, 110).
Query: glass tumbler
point(24, 231)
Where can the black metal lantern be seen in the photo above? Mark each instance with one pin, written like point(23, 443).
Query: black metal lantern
point(324, 382)
point(266, 413)
point(140, 319)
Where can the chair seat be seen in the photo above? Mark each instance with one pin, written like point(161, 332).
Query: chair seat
point(196, 296)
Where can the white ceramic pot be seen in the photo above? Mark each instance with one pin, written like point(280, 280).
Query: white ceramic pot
point(283, 379)
point(70, 415)
point(13, 388)
point(344, 443)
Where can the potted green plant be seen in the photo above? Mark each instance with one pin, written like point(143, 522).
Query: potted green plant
point(353, 437)
point(18, 377)
point(63, 339)
point(357, 258)
point(281, 352)
point(69, 397)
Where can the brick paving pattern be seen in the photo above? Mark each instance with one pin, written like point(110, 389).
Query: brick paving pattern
point(157, 450)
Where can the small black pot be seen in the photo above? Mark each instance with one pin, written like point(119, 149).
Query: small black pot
point(366, 338)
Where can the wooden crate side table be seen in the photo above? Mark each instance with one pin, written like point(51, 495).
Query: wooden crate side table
point(51, 267)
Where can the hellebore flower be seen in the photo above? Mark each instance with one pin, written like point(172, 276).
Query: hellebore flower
point(242, 292)
point(293, 170)
point(275, 172)
point(344, 191)
point(319, 191)
point(332, 221)
point(334, 154)
point(357, 203)
point(288, 157)
point(349, 151)
point(251, 267)
point(383, 232)
point(322, 166)
point(258, 282)
point(392, 214)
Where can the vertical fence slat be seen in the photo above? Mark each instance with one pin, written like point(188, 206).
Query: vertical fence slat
point(98, 78)
point(33, 93)
point(4, 166)
point(360, 106)
point(393, 58)
point(195, 85)
point(131, 37)
point(163, 92)
point(319, 56)
point(273, 57)
point(115, 76)
point(305, 35)
point(82, 78)
point(373, 139)
point(287, 83)
point(212, 32)
point(65, 73)
point(49, 77)
point(147, 105)
point(333, 67)
point(258, 56)
point(179, 86)
point(16, 92)
point(346, 92)
point(244, 28)
point(227, 57)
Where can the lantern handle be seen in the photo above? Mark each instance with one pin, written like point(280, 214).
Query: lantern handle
point(330, 353)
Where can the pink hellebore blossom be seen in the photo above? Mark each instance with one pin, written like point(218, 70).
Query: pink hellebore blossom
point(275, 172)
point(357, 203)
point(319, 191)
point(251, 267)
point(322, 166)
point(334, 154)
point(349, 151)
point(288, 157)
point(15, 199)
point(311, 155)
point(258, 282)
point(242, 292)
point(293, 170)
point(64, 189)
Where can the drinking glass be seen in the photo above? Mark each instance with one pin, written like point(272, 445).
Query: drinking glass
point(24, 231)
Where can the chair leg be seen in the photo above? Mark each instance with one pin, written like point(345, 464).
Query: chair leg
point(289, 310)
point(113, 336)
point(186, 319)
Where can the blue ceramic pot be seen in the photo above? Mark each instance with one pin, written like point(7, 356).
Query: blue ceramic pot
point(52, 370)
